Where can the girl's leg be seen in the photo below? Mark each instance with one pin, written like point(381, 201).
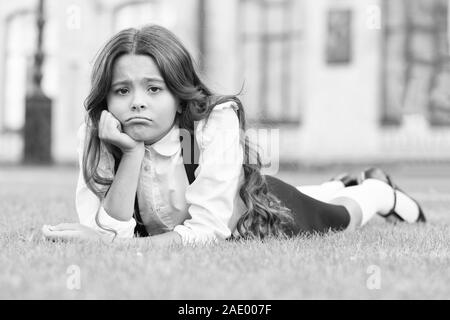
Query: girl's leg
point(322, 192)
point(350, 207)
point(310, 214)
point(326, 191)
point(374, 196)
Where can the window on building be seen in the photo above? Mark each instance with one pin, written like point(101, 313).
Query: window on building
point(416, 72)
point(271, 47)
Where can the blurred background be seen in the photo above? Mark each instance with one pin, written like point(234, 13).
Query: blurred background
point(348, 81)
point(343, 83)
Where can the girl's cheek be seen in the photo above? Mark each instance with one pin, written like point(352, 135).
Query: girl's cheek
point(116, 106)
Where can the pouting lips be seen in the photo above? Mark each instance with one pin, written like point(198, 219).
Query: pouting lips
point(138, 119)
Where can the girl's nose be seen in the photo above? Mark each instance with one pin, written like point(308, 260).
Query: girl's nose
point(138, 107)
point(139, 101)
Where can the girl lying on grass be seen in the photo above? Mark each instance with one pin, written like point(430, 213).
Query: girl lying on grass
point(165, 160)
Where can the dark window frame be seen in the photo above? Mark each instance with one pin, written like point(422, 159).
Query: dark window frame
point(266, 38)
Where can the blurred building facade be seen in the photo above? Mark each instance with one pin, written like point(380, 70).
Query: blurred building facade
point(347, 80)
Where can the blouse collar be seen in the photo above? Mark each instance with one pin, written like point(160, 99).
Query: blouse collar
point(169, 144)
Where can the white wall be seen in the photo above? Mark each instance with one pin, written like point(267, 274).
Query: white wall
point(222, 50)
point(340, 114)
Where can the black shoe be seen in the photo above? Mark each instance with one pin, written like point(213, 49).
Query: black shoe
point(347, 179)
point(391, 216)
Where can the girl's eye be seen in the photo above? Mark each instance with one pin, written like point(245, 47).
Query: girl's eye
point(122, 91)
point(154, 89)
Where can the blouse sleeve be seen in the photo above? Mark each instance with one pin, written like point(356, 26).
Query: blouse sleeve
point(211, 196)
point(87, 203)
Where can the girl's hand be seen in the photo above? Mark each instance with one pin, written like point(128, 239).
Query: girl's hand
point(72, 231)
point(110, 131)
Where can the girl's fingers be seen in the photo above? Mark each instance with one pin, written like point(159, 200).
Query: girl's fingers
point(48, 232)
point(113, 117)
point(110, 131)
point(45, 230)
point(109, 126)
point(113, 122)
point(101, 124)
point(62, 235)
point(65, 226)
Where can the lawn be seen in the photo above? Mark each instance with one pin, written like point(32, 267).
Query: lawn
point(379, 261)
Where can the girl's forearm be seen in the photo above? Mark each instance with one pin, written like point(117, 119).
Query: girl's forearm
point(119, 202)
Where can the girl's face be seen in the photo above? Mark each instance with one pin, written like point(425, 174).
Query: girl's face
point(140, 100)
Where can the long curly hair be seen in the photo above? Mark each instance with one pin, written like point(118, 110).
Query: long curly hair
point(265, 215)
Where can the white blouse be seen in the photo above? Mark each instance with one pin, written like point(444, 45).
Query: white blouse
point(205, 211)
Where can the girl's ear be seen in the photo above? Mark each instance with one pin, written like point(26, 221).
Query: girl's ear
point(179, 109)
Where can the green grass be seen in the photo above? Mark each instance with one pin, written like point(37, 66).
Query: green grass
point(413, 260)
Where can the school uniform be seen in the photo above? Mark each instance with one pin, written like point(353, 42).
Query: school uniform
point(199, 201)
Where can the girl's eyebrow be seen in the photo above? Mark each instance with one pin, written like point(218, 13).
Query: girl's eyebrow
point(153, 79)
point(145, 79)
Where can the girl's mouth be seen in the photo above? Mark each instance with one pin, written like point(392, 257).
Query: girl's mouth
point(138, 120)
